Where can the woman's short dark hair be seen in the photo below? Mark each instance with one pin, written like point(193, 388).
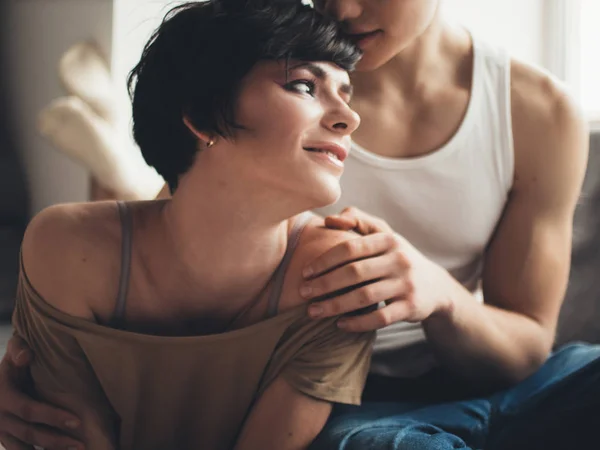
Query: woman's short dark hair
point(194, 62)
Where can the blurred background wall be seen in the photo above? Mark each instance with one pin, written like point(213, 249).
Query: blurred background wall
point(37, 32)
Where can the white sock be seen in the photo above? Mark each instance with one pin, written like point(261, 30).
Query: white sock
point(74, 128)
point(84, 73)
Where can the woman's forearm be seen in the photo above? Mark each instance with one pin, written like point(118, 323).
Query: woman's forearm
point(283, 419)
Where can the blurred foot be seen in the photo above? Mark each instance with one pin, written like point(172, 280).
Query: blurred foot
point(85, 74)
point(73, 127)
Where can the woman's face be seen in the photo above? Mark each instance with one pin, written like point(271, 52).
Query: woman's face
point(297, 126)
point(381, 28)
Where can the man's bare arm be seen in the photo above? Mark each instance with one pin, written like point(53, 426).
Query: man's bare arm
point(527, 262)
point(24, 421)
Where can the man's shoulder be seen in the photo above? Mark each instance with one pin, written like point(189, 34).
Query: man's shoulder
point(63, 247)
point(548, 125)
point(540, 102)
point(537, 94)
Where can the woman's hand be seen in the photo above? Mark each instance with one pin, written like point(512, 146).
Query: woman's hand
point(23, 421)
point(413, 287)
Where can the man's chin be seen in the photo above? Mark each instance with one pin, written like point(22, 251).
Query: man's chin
point(374, 59)
point(369, 63)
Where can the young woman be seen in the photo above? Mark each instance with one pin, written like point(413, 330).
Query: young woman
point(464, 176)
point(178, 323)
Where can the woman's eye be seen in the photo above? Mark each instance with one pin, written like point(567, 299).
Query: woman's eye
point(302, 86)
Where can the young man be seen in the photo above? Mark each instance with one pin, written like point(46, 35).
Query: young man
point(464, 178)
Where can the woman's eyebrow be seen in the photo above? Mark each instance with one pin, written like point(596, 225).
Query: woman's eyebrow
point(321, 74)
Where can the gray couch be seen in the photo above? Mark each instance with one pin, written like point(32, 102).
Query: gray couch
point(580, 315)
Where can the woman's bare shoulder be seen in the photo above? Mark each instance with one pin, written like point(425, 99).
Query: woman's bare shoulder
point(69, 252)
point(316, 239)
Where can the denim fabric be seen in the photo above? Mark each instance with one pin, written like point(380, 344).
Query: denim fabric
point(558, 407)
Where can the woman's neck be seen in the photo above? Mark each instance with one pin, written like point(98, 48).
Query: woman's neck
point(219, 247)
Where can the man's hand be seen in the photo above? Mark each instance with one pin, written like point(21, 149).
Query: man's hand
point(412, 286)
point(25, 422)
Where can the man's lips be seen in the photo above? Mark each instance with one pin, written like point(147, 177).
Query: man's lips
point(357, 37)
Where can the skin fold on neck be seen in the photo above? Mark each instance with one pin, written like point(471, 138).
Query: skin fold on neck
point(226, 247)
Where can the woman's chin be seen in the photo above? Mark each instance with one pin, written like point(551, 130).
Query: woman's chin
point(328, 195)
point(313, 193)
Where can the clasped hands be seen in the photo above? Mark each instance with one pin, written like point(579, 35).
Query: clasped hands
point(386, 268)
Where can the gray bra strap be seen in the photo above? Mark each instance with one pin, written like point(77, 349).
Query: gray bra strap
point(275, 294)
point(126, 245)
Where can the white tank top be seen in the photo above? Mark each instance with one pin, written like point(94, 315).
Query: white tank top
point(446, 203)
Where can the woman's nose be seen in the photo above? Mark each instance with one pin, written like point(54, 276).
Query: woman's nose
point(343, 120)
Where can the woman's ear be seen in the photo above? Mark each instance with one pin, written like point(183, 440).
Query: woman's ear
point(204, 137)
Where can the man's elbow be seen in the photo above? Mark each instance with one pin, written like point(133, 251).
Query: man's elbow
point(534, 357)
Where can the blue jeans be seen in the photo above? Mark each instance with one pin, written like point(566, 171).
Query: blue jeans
point(558, 407)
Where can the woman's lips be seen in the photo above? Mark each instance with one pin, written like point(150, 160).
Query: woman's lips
point(327, 158)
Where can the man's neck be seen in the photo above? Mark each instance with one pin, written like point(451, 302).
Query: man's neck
point(428, 62)
point(416, 102)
